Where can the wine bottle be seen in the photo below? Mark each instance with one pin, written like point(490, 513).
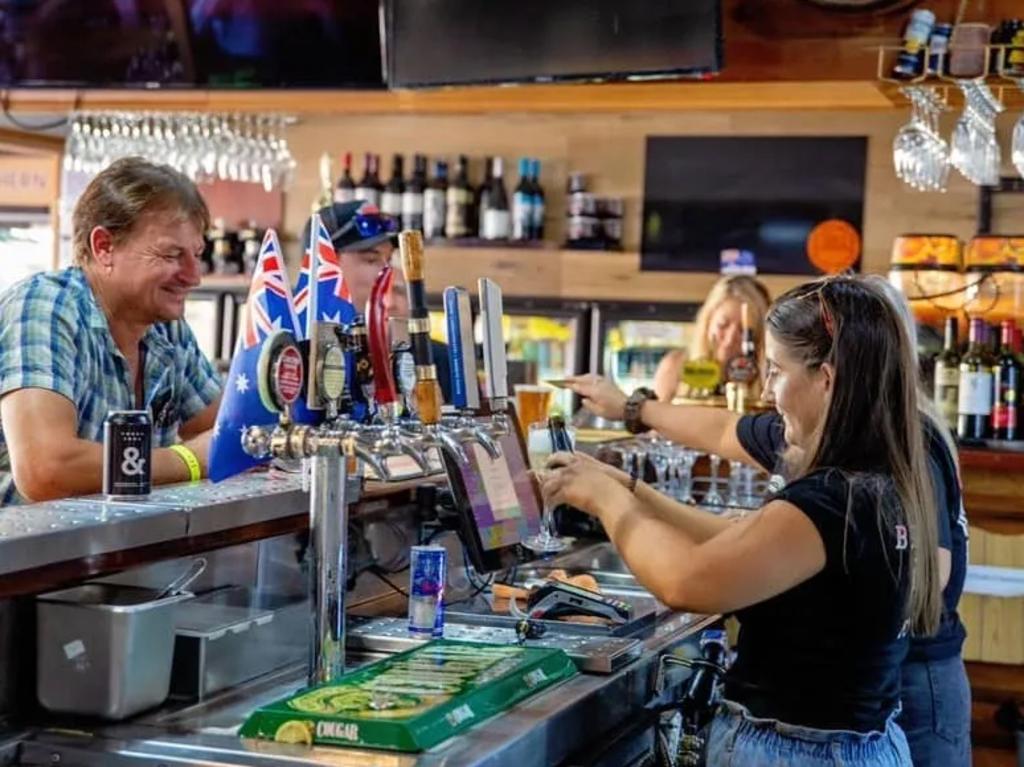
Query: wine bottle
point(537, 206)
point(480, 199)
point(459, 201)
point(369, 188)
point(435, 202)
point(391, 200)
point(947, 375)
point(974, 403)
point(495, 215)
point(1006, 387)
point(522, 203)
point(345, 189)
point(412, 197)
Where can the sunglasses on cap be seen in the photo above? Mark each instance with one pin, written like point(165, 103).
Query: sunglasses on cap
point(368, 225)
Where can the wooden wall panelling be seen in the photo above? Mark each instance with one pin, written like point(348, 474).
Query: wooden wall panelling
point(609, 148)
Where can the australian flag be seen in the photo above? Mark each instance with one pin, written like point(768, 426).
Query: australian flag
point(269, 308)
point(333, 299)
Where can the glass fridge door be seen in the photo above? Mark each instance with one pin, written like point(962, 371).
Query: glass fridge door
point(26, 245)
point(633, 340)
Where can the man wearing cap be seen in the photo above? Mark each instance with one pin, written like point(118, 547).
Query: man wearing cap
point(108, 334)
point(365, 242)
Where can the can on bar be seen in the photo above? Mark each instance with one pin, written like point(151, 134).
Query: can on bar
point(428, 569)
point(127, 453)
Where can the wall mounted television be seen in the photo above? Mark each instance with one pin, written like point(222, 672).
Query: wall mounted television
point(191, 43)
point(762, 194)
point(458, 42)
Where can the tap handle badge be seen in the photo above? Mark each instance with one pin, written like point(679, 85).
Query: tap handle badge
point(461, 351)
point(495, 363)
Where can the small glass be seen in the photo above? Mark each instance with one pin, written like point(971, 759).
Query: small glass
point(539, 448)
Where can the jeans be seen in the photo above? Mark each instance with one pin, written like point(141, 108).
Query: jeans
point(936, 713)
point(738, 739)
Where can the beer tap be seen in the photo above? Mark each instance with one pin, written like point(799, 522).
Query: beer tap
point(465, 387)
point(388, 436)
point(428, 401)
point(495, 362)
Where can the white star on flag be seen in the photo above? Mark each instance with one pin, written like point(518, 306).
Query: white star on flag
point(241, 383)
point(336, 318)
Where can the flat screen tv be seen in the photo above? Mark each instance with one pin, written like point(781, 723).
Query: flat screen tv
point(761, 194)
point(447, 42)
point(190, 43)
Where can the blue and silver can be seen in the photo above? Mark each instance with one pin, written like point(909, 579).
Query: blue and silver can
point(127, 450)
point(428, 570)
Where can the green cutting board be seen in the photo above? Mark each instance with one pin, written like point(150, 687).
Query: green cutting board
point(413, 700)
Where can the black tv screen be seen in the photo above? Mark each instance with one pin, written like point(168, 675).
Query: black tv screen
point(442, 42)
point(764, 195)
point(204, 43)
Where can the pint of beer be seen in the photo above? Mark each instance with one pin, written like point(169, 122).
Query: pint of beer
point(532, 403)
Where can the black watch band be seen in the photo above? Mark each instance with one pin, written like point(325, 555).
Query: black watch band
point(633, 406)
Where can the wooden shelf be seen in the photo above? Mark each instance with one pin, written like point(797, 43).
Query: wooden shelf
point(575, 274)
point(565, 98)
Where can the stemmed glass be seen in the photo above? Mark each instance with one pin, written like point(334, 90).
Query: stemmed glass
point(538, 448)
point(920, 155)
point(712, 497)
point(735, 473)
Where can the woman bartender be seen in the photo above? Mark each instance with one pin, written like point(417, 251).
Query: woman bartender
point(718, 331)
point(935, 692)
point(834, 570)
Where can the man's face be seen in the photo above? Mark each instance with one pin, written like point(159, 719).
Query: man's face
point(153, 270)
point(361, 269)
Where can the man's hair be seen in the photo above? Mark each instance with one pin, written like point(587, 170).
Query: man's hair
point(128, 188)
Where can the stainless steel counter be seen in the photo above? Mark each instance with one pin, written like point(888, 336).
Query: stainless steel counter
point(545, 730)
point(47, 533)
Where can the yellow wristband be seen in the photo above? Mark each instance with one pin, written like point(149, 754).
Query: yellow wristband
point(195, 473)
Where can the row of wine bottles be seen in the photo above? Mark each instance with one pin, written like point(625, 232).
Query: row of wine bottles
point(449, 205)
point(977, 392)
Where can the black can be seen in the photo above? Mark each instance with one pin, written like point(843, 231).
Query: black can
point(127, 453)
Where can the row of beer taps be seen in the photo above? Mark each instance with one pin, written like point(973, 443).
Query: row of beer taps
point(363, 349)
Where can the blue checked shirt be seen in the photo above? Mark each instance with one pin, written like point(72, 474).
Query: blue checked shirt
point(53, 335)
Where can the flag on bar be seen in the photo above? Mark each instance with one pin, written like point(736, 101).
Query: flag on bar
point(269, 308)
point(333, 301)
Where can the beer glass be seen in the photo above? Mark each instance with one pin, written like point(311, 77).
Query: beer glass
point(532, 404)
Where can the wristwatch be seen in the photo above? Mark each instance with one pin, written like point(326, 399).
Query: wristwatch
point(632, 410)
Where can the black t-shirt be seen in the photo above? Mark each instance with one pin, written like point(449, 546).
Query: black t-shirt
point(762, 437)
point(827, 653)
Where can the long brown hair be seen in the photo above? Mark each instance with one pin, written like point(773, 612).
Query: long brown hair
point(872, 429)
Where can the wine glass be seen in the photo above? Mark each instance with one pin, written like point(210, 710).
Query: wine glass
point(712, 497)
point(538, 448)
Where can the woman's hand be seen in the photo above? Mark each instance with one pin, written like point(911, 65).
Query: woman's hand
point(563, 459)
point(570, 478)
point(600, 396)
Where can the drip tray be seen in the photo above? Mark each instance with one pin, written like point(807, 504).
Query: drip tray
point(591, 654)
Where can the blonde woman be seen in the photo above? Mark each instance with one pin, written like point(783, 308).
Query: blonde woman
point(718, 332)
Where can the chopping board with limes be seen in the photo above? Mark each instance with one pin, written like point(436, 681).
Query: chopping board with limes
point(413, 700)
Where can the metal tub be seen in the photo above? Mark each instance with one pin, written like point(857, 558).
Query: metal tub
point(104, 650)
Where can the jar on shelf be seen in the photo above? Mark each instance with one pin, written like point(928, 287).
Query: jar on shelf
point(994, 267)
point(927, 269)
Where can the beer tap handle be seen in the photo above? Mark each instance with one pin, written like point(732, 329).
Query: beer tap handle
point(495, 363)
point(380, 340)
point(428, 400)
point(461, 352)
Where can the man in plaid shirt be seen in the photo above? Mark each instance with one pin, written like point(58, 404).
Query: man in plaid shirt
point(108, 334)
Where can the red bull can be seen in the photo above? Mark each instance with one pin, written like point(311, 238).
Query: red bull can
point(428, 571)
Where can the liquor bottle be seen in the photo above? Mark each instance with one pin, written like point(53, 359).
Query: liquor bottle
point(537, 206)
point(480, 199)
point(459, 207)
point(391, 200)
point(947, 375)
point(495, 215)
point(435, 202)
point(412, 197)
point(326, 196)
point(974, 403)
point(522, 203)
point(345, 189)
point(1006, 387)
point(370, 189)
point(741, 372)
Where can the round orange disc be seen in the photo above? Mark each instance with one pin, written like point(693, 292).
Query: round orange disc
point(833, 246)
